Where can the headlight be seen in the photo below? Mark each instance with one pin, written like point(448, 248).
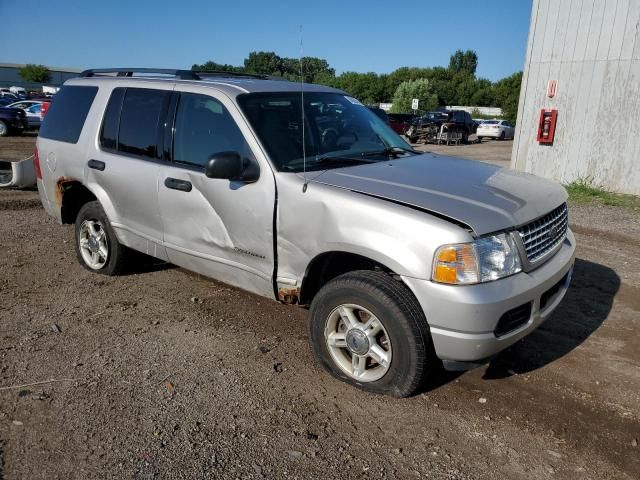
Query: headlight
point(482, 260)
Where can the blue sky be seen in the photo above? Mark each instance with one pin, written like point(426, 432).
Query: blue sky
point(360, 36)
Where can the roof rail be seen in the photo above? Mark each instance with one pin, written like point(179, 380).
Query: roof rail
point(128, 72)
point(222, 73)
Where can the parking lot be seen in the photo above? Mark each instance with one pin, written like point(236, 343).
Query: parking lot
point(165, 374)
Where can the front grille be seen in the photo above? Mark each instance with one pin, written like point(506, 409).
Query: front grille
point(513, 319)
point(544, 234)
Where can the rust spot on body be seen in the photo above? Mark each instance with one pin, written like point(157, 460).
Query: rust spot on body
point(61, 185)
point(289, 295)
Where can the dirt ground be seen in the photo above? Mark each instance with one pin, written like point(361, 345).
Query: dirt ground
point(164, 374)
point(497, 152)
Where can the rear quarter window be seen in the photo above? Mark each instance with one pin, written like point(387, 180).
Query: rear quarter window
point(67, 114)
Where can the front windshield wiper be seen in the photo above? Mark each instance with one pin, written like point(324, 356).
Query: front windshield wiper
point(331, 158)
point(390, 152)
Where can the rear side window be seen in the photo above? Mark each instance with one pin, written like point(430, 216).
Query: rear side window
point(109, 131)
point(67, 114)
point(139, 121)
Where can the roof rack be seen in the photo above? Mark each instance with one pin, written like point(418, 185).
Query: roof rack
point(222, 73)
point(128, 72)
point(181, 74)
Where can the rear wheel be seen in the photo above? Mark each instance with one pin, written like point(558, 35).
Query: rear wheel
point(502, 136)
point(4, 130)
point(368, 330)
point(97, 246)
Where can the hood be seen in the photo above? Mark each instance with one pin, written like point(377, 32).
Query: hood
point(484, 197)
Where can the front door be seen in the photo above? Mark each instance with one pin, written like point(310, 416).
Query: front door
point(220, 228)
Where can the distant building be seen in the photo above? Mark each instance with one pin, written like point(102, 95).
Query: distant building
point(583, 61)
point(10, 76)
point(494, 111)
point(487, 111)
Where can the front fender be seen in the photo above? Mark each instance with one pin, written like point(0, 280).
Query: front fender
point(328, 219)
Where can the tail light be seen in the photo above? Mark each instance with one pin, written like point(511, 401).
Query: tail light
point(44, 108)
point(36, 163)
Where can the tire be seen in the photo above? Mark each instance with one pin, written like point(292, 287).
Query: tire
point(4, 129)
point(480, 139)
point(93, 222)
point(502, 136)
point(410, 357)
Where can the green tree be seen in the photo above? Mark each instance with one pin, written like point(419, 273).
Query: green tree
point(393, 80)
point(420, 89)
point(35, 73)
point(464, 62)
point(212, 66)
point(366, 87)
point(507, 95)
point(266, 63)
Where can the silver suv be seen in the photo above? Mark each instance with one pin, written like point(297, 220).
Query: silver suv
point(299, 193)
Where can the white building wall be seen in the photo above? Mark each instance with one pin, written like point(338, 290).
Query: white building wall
point(592, 49)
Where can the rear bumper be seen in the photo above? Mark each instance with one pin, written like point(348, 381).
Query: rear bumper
point(19, 174)
point(463, 318)
point(489, 133)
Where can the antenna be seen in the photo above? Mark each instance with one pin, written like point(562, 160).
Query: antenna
point(304, 146)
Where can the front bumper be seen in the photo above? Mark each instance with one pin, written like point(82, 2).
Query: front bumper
point(463, 318)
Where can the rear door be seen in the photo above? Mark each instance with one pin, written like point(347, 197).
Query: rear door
point(124, 165)
point(220, 228)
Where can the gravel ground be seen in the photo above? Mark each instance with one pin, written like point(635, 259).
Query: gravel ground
point(165, 374)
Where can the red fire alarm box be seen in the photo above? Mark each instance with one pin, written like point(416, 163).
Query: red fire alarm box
point(547, 125)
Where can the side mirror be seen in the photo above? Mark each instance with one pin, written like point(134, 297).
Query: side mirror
point(231, 166)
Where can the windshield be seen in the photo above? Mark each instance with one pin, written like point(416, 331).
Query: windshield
point(491, 122)
point(337, 127)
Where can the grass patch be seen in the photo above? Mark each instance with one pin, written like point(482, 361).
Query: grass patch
point(584, 190)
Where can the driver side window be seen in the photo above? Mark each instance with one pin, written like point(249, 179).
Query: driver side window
point(204, 127)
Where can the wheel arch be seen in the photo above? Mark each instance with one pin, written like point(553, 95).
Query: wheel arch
point(326, 266)
point(71, 194)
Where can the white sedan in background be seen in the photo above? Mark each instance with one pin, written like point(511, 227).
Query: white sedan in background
point(498, 129)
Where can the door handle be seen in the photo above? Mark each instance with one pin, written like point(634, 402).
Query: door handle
point(96, 164)
point(177, 184)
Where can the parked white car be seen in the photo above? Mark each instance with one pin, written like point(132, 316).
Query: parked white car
point(498, 129)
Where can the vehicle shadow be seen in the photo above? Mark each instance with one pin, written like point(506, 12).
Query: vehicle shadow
point(585, 307)
point(140, 263)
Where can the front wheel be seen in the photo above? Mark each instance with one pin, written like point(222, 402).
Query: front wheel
point(97, 246)
point(4, 130)
point(368, 330)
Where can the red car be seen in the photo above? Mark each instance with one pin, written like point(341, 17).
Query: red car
point(400, 121)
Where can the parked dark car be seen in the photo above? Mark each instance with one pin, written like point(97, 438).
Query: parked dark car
point(427, 127)
point(12, 120)
point(34, 109)
point(400, 122)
